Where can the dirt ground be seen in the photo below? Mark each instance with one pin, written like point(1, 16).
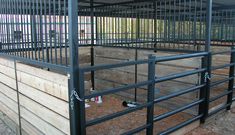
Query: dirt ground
point(223, 125)
point(127, 122)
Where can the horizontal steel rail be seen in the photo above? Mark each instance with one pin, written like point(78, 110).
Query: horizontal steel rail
point(218, 109)
point(180, 109)
point(170, 130)
point(179, 75)
point(118, 89)
point(115, 115)
point(179, 93)
point(109, 66)
point(214, 84)
point(134, 131)
point(222, 66)
point(219, 96)
point(178, 57)
point(61, 68)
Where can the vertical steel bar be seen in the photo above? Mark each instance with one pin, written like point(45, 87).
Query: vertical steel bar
point(92, 44)
point(155, 25)
point(65, 33)
point(231, 82)
point(151, 87)
point(205, 91)
point(137, 32)
point(208, 25)
point(77, 108)
point(18, 98)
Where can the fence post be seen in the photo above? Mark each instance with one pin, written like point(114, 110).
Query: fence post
point(151, 87)
point(205, 91)
point(1, 47)
point(76, 94)
point(231, 81)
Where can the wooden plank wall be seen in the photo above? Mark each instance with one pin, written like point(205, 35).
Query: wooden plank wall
point(43, 98)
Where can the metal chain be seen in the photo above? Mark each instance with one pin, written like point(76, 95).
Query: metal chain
point(74, 94)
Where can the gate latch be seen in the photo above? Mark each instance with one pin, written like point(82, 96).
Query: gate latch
point(207, 77)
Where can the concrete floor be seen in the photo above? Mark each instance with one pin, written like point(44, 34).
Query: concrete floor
point(5, 130)
point(223, 124)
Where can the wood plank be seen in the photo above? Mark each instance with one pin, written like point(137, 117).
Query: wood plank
point(47, 115)
point(53, 103)
point(8, 91)
point(143, 54)
point(43, 74)
point(8, 81)
point(43, 126)
point(119, 53)
point(7, 62)
point(10, 72)
point(9, 102)
point(9, 112)
point(29, 128)
point(57, 90)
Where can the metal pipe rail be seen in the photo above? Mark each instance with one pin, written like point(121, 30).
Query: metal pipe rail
point(61, 68)
point(170, 130)
point(219, 109)
point(214, 84)
point(118, 89)
point(179, 75)
point(115, 115)
point(137, 130)
point(222, 66)
point(109, 66)
point(181, 92)
point(180, 109)
point(220, 96)
point(178, 57)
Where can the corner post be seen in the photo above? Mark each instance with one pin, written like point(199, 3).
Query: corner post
point(151, 87)
point(205, 91)
point(76, 95)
